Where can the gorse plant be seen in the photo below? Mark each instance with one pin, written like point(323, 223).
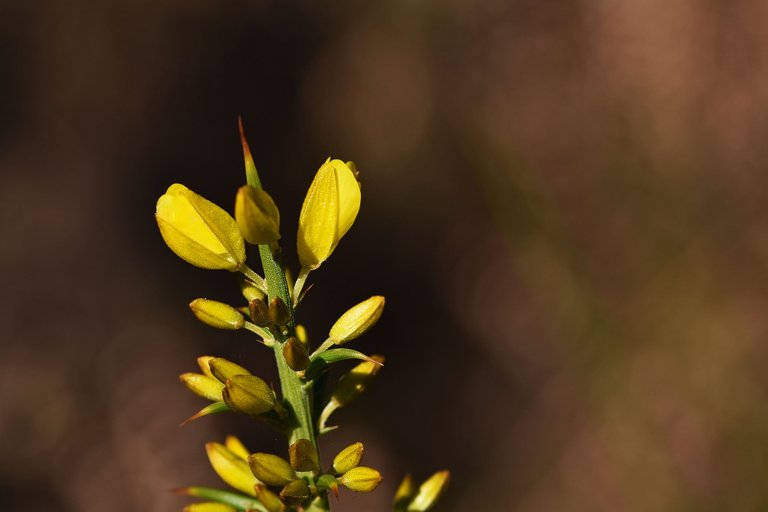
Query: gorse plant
point(206, 236)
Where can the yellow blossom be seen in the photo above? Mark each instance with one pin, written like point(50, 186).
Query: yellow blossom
point(357, 320)
point(328, 212)
point(198, 231)
point(231, 468)
point(257, 215)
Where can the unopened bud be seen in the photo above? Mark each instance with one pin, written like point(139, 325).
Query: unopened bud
point(303, 456)
point(223, 369)
point(204, 363)
point(198, 231)
point(202, 385)
point(353, 383)
point(278, 312)
point(357, 320)
point(361, 479)
point(209, 506)
point(429, 492)
point(271, 469)
point(330, 207)
point(301, 333)
point(257, 216)
point(249, 291)
point(237, 447)
point(248, 394)
point(270, 500)
point(295, 354)
point(348, 458)
point(259, 312)
point(231, 468)
point(404, 494)
point(295, 492)
point(328, 483)
point(217, 314)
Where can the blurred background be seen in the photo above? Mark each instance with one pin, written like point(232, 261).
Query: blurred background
point(564, 204)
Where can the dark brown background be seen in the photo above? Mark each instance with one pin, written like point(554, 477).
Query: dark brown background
point(564, 203)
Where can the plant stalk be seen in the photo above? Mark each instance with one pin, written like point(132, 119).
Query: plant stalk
point(297, 398)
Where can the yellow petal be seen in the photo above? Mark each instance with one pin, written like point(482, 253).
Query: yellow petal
point(203, 385)
point(357, 320)
point(217, 314)
point(271, 469)
point(405, 493)
point(348, 458)
point(237, 447)
point(349, 196)
point(355, 381)
point(329, 210)
point(209, 506)
point(429, 492)
point(361, 479)
point(319, 219)
point(204, 363)
point(231, 468)
point(198, 231)
point(248, 394)
point(257, 216)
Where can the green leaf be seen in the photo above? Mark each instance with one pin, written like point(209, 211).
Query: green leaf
point(214, 408)
point(319, 363)
point(233, 499)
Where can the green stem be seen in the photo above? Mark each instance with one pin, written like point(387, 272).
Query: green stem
point(290, 383)
point(297, 398)
point(257, 280)
point(265, 335)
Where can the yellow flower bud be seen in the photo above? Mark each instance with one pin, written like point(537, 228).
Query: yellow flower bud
point(361, 479)
point(257, 216)
point(249, 291)
point(248, 394)
point(295, 492)
point(231, 468)
point(222, 369)
point(329, 209)
point(209, 506)
point(353, 383)
point(237, 447)
point(303, 456)
point(204, 363)
point(198, 231)
point(217, 314)
point(269, 499)
point(349, 387)
point(301, 334)
point(429, 492)
point(271, 469)
point(328, 483)
point(203, 385)
point(357, 320)
point(406, 491)
point(348, 458)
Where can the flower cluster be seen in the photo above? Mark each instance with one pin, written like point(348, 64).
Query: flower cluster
point(206, 236)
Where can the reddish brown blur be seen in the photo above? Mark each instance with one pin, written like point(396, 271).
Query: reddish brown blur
point(565, 205)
